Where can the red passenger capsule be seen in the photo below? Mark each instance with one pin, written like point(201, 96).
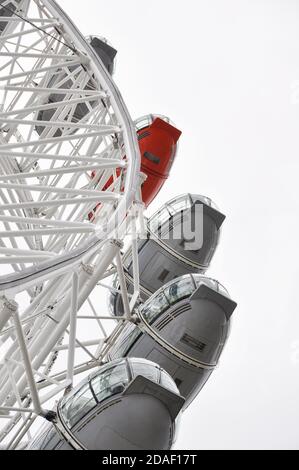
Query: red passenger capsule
point(158, 141)
point(158, 147)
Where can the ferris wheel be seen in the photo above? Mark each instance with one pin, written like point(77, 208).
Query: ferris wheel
point(76, 174)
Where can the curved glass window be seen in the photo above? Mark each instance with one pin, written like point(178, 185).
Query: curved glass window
point(158, 219)
point(167, 212)
point(111, 300)
point(110, 382)
point(206, 200)
point(78, 405)
point(45, 435)
point(179, 289)
point(168, 382)
point(175, 206)
point(222, 290)
point(131, 333)
point(173, 292)
point(180, 203)
point(212, 283)
point(155, 306)
point(146, 369)
point(89, 38)
point(103, 385)
point(144, 121)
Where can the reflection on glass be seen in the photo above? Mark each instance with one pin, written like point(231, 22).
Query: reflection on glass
point(180, 204)
point(176, 291)
point(148, 370)
point(110, 382)
point(168, 382)
point(45, 436)
point(179, 289)
point(155, 222)
point(212, 283)
point(130, 335)
point(146, 121)
point(153, 308)
point(104, 385)
point(169, 210)
point(78, 405)
point(174, 207)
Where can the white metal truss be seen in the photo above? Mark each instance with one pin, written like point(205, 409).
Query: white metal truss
point(69, 198)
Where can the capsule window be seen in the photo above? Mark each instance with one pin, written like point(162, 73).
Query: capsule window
point(152, 158)
point(156, 222)
point(128, 341)
point(146, 370)
point(78, 405)
point(111, 382)
point(180, 204)
point(154, 307)
point(167, 382)
point(42, 442)
point(143, 135)
point(179, 290)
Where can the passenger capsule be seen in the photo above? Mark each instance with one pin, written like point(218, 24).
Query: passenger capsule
point(158, 143)
point(105, 51)
point(128, 404)
point(61, 80)
point(182, 238)
point(7, 11)
point(183, 327)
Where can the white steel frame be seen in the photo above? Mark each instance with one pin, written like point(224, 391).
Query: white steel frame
point(52, 253)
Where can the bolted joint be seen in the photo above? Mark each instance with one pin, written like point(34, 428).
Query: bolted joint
point(142, 177)
point(135, 318)
point(49, 415)
point(118, 243)
point(87, 268)
point(10, 304)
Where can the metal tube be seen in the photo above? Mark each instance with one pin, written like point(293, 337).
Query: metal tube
point(123, 286)
point(45, 341)
point(73, 328)
point(27, 364)
point(8, 308)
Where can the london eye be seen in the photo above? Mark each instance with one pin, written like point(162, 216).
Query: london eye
point(76, 175)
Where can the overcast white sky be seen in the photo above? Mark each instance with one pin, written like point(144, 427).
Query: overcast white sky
point(228, 74)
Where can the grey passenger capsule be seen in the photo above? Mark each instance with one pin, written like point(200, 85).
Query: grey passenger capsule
point(64, 80)
point(128, 404)
point(182, 238)
point(7, 11)
point(105, 51)
point(183, 327)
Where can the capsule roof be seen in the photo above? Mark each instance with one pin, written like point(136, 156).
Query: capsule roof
point(7, 11)
point(183, 203)
point(105, 51)
point(145, 121)
point(190, 226)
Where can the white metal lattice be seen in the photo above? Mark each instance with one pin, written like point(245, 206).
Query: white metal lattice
point(69, 193)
